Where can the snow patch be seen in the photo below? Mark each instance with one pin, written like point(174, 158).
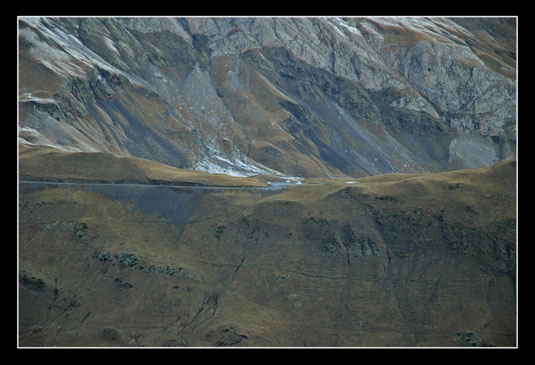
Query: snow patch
point(68, 56)
point(111, 45)
point(28, 130)
point(26, 97)
point(349, 28)
point(439, 28)
point(334, 24)
point(217, 164)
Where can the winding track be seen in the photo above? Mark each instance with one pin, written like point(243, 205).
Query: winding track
point(272, 186)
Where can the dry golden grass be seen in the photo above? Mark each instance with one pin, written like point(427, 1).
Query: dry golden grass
point(49, 163)
point(260, 256)
point(36, 77)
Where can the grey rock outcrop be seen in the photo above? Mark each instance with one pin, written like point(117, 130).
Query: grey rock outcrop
point(291, 96)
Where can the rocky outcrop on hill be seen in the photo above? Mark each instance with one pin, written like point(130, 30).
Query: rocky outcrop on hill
point(320, 96)
point(386, 261)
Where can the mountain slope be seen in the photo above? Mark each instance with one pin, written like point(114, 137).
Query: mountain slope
point(310, 97)
point(389, 260)
point(49, 164)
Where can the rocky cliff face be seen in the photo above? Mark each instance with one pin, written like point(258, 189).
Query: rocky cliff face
point(291, 96)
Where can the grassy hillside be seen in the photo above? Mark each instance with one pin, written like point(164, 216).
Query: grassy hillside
point(49, 163)
point(392, 260)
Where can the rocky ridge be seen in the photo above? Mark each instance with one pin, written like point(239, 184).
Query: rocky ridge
point(285, 96)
